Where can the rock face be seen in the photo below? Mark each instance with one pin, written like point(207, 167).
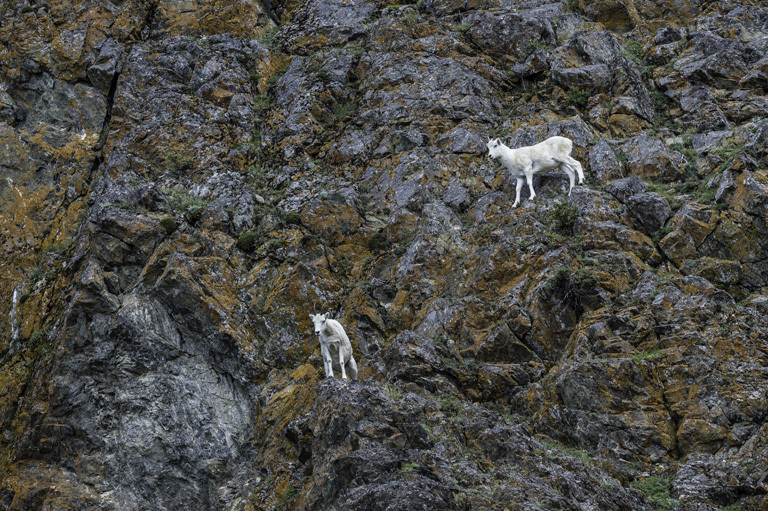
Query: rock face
point(182, 183)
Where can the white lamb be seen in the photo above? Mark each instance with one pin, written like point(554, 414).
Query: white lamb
point(553, 153)
point(335, 347)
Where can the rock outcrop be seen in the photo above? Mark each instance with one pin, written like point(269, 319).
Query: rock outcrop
point(182, 183)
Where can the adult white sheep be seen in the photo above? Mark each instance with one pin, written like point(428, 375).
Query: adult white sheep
point(553, 153)
point(335, 347)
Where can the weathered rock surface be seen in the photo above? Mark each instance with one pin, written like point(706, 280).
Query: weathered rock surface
point(182, 183)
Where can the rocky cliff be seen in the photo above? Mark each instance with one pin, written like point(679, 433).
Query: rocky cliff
point(184, 181)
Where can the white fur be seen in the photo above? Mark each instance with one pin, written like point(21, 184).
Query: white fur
point(334, 346)
point(553, 153)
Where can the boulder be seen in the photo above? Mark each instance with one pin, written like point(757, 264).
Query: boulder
point(650, 210)
point(649, 158)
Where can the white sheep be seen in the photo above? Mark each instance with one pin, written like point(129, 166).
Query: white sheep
point(553, 153)
point(335, 347)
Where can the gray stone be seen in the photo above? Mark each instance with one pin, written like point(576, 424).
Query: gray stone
point(107, 65)
point(463, 140)
point(645, 288)
point(712, 59)
point(651, 210)
point(328, 22)
point(438, 218)
point(603, 162)
point(668, 35)
point(416, 358)
point(701, 110)
point(758, 143)
point(456, 195)
point(515, 33)
point(625, 188)
point(649, 157)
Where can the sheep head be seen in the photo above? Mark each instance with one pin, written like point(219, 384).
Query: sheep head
point(494, 146)
point(319, 320)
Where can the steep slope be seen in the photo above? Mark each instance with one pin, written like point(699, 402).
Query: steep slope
point(184, 182)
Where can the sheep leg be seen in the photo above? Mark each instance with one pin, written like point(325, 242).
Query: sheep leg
point(326, 360)
point(571, 175)
point(518, 188)
point(342, 364)
point(529, 180)
point(575, 164)
point(352, 367)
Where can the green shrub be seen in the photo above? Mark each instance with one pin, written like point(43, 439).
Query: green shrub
point(40, 345)
point(564, 217)
point(572, 288)
point(634, 51)
point(656, 489)
point(345, 109)
point(177, 162)
point(261, 103)
point(378, 243)
point(578, 97)
point(254, 146)
point(36, 274)
point(451, 404)
point(558, 283)
point(292, 218)
point(188, 204)
point(650, 355)
point(168, 223)
point(247, 241)
point(573, 6)
point(58, 248)
point(37, 335)
point(274, 244)
point(583, 282)
point(268, 39)
point(540, 45)
point(408, 467)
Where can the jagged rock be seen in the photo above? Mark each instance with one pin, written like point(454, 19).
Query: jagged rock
point(759, 141)
point(667, 35)
point(703, 142)
point(511, 34)
point(614, 15)
point(712, 59)
point(439, 218)
point(645, 289)
point(462, 140)
point(594, 61)
point(650, 209)
point(722, 239)
point(702, 113)
point(625, 188)
point(182, 183)
point(502, 346)
point(456, 196)
point(330, 22)
point(649, 158)
point(106, 65)
point(413, 357)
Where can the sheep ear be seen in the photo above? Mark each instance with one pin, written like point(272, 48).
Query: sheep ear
point(312, 317)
